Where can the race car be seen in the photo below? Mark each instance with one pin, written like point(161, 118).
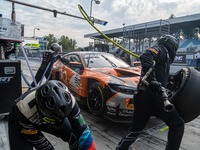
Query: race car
point(103, 82)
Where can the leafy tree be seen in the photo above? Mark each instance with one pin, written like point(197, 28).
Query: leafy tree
point(50, 40)
point(187, 33)
point(190, 33)
point(172, 16)
point(64, 42)
point(67, 43)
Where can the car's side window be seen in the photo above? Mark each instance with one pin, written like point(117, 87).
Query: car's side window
point(75, 59)
point(72, 58)
point(64, 61)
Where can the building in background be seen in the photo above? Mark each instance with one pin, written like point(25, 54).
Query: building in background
point(34, 46)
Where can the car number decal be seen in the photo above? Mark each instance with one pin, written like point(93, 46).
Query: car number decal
point(63, 75)
point(75, 80)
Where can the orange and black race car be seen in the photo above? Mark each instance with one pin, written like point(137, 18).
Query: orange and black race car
point(101, 81)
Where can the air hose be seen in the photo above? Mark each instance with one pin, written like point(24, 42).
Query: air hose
point(28, 64)
point(127, 51)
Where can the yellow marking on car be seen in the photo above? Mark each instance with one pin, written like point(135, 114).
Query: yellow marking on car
point(129, 106)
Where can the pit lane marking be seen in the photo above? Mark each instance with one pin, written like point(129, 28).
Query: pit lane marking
point(161, 127)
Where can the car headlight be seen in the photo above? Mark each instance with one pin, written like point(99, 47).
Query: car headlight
point(124, 89)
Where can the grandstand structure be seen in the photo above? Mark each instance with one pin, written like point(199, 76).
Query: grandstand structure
point(137, 38)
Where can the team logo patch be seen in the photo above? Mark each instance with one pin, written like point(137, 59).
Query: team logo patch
point(153, 50)
point(29, 132)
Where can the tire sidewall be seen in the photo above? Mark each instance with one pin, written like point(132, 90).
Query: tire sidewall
point(98, 86)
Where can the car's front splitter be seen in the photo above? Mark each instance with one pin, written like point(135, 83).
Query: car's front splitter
point(119, 115)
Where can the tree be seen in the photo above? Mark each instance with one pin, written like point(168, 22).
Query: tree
point(50, 40)
point(190, 33)
point(172, 16)
point(64, 42)
point(67, 44)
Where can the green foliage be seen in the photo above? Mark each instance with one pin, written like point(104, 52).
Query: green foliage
point(172, 16)
point(187, 32)
point(190, 33)
point(50, 39)
point(66, 43)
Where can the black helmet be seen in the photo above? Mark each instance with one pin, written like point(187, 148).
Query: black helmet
point(171, 43)
point(54, 100)
point(55, 47)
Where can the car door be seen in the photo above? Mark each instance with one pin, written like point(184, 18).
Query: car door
point(72, 76)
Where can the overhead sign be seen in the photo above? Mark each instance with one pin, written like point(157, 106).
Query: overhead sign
point(100, 22)
point(32, 45)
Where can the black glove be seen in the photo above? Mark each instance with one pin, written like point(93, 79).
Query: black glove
point(154, 86)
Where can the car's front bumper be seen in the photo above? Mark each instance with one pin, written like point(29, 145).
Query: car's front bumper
point(119, 115)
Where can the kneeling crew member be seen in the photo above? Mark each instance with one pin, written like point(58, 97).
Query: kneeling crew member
point(50, 108)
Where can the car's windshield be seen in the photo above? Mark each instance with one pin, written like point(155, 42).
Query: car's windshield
point(103, 60)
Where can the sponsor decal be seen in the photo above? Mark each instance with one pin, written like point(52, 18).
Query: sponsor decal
point(32, 45)
point(5, 79)
point(126, 113)
point(129, 106)
point(72, 89)
point(63, 75)
point(111, 109)
point(75, 80)
point(110, 113)
point(29, 132)
point(111, 103)
point(92, 56)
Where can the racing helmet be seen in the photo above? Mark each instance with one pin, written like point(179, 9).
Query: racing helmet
point(118, 51)
point(171, 43)
point(54, 100)
point(55, 47)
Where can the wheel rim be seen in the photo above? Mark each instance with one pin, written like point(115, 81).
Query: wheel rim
point(94, 100)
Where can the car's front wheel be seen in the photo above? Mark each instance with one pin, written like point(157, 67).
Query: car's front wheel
point(96, 99)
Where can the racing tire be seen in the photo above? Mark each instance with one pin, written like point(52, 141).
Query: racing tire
point(186, 97)
point(96, 99)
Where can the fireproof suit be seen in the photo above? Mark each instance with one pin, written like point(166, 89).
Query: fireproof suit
point(147, 103)
point(49, 56)
point(26, 124)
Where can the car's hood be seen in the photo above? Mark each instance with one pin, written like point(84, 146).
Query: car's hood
point(117, 75)
point(121, 72)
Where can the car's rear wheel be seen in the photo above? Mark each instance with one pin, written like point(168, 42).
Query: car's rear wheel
point(96, 99)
